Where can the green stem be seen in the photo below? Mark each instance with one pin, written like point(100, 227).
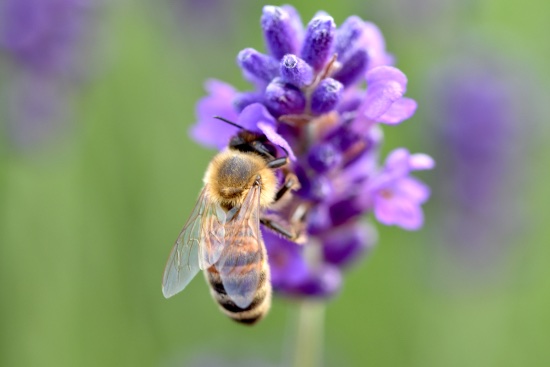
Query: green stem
point(309, 335)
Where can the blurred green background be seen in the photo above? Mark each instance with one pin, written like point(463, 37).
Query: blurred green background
point(88, 216)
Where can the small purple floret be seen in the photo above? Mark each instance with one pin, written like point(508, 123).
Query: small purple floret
point(323, 158)
point(258, 65)
point(279, 31)
point(318, 41)
point(347, 36)
point(326, 96)
point(397, 197)
point(354, 68)
point(282, 98)
point(296, 71)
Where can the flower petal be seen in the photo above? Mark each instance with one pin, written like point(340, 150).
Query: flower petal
point(207, 130)
point(252, 114)
point(413, 189)
point(386, 85)
point(384, 74)
point(397, 163)
point(421, 161)
point(374, 42)
point(398, 210)
point(272, 135)
point(399, 111)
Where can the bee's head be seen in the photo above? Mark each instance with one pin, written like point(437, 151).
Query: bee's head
point(231, 174)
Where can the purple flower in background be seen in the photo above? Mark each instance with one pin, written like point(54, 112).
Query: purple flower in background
point(45, 44)
point(479, 141)
point(44, 36)
point(308, 98)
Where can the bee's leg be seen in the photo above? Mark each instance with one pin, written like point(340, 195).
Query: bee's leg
point(276, 227)
point(289, 183)
point(277, 162)
point(295, 233)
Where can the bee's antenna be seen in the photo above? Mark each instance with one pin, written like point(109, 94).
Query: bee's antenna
point(229, 122)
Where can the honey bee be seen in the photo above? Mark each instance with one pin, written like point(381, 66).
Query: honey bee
point(222, 236)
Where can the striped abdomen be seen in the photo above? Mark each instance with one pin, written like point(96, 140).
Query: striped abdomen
point(260, 303)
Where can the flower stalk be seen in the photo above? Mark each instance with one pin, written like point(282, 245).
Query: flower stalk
point(308, 350)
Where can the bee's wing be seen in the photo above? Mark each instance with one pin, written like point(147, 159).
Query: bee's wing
point(198, 246)
point(240, 263)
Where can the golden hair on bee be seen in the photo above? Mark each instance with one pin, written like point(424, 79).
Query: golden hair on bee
point(232, 173)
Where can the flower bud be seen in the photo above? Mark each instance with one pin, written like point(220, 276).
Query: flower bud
point(326, 96)
point(347, 36)
point(354, 68)
point(296, 71)
point(258, 65)
point(318, 41)
point(279, 31)
point(282, 98)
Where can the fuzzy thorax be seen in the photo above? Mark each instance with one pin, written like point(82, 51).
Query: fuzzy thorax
point(232, 173)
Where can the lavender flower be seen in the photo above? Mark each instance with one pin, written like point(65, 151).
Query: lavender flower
point(44, 36)
point(479, 139)
point(307, 99)
point(44, 43)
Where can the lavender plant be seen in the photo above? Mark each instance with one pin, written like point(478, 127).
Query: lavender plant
point(476, 97)
point(308, 97)
point(43, 42)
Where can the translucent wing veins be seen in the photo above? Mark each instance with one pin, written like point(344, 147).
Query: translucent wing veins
point(198, 246)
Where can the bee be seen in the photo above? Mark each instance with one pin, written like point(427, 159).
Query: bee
point(222, 236)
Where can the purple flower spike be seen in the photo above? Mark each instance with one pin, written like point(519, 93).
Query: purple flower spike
point(257, 65)
point(330, 126)
point(45, 36)
point(283, 99)
point(318, 41)
point(296, 71)
point(326, 96)
point(279, 31)
point(353, 69)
